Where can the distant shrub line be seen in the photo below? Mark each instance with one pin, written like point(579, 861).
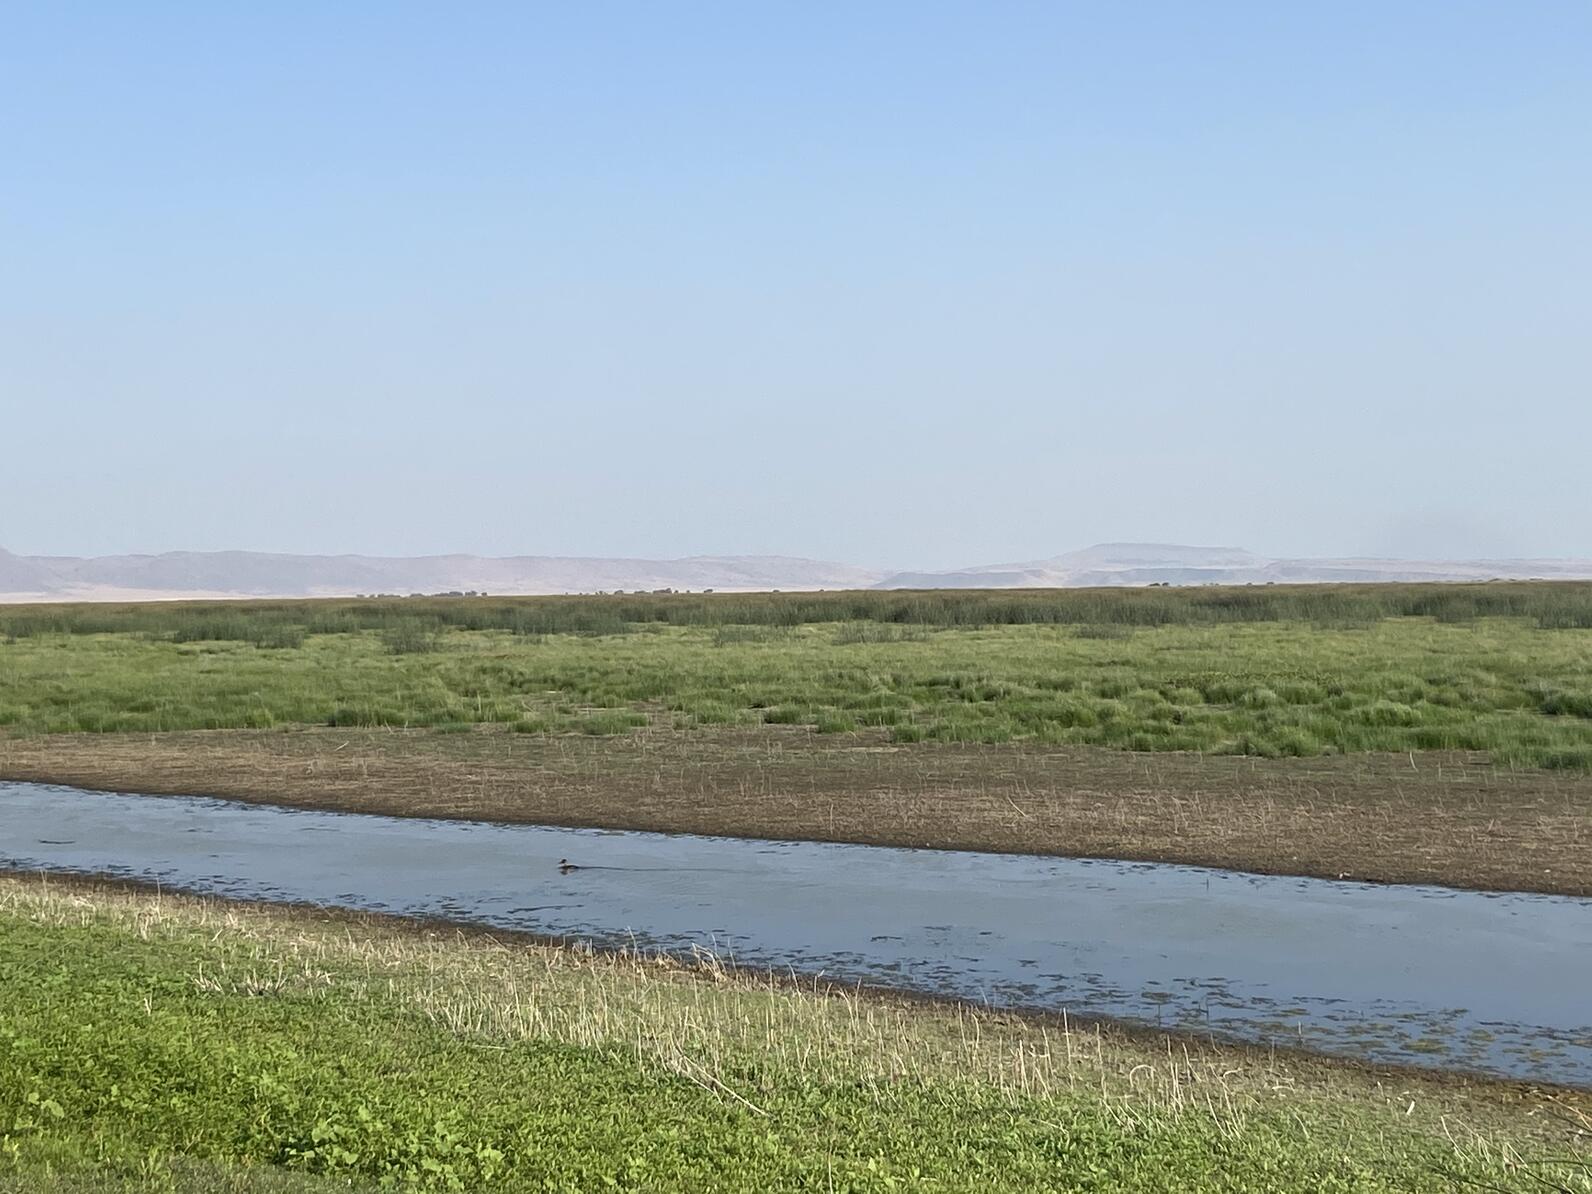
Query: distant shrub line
point(1106, 612)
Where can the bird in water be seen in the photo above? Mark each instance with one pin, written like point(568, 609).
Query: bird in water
point(565, 866)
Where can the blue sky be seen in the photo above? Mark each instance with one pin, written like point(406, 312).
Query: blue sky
point(908, 284)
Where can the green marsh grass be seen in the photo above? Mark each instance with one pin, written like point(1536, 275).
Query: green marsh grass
point(147, 1035)
point(1504, 668)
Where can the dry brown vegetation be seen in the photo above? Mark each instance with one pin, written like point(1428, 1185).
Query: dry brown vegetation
point(1448, 818)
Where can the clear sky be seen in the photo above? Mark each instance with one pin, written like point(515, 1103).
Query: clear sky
point(909, 284)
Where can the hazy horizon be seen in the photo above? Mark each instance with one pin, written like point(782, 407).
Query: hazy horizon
point(1072, 550)
point(912, 286)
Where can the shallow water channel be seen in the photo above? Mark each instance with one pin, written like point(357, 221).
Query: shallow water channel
point(1496, 983)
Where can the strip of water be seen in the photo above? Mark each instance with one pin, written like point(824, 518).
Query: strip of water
point(1497, 983)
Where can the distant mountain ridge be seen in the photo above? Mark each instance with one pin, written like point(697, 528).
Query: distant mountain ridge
point(262, 574)
point(1109, 564)
point(19, 574)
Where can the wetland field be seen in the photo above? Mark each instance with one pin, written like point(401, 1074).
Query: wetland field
point(1406, 733)
point(1381, 734)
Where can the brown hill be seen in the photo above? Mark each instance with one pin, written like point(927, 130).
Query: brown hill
point(260, 574)
point(1109, 564)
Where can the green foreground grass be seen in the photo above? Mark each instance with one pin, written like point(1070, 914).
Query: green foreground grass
point(156, 1043)
point(1505, 669)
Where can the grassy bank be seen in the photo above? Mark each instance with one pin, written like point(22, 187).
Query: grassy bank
point(152, 1042)
point(1251, 671)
